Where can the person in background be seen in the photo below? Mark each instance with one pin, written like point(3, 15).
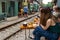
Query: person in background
point(56, 10)
point(21, 12)
point(25, 11)
point(47, 27)
point(59, 24)
point(56, 13)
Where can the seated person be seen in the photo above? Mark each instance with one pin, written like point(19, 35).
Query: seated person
point(48, 26)
point(59, 24)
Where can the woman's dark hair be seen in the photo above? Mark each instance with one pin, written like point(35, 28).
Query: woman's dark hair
point(45, 15)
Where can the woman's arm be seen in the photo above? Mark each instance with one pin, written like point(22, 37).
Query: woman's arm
point(48, 23)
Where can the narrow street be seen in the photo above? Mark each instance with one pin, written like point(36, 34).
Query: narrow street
point(10, 30)
point(19, 18)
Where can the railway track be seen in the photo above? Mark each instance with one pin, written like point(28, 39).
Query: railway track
point(21, 35)
point(11, 30)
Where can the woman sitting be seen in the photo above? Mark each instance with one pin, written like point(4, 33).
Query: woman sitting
point(48, 24)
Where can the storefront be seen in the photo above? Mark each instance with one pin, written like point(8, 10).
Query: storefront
point(12, 8)
point(8, 8)
point(2, 9)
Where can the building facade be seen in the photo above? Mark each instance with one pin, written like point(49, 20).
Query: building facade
point(2, 9)
point(9, 8)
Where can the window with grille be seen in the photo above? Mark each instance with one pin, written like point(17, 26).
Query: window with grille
point(3, 6)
